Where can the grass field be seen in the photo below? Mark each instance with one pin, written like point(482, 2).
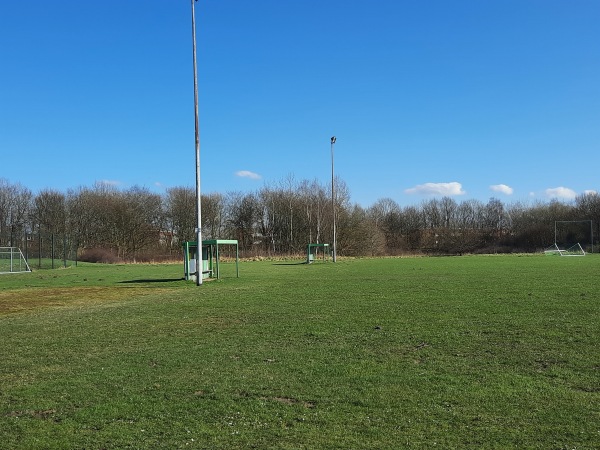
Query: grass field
point(460, 352)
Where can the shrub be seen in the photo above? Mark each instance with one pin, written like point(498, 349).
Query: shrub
point(99, 255)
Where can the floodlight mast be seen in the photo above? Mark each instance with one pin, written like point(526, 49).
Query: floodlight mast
point(333, 140)
point(197, 134)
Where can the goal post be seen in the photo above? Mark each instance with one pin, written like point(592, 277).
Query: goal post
point(12, 261)
point(572, 233)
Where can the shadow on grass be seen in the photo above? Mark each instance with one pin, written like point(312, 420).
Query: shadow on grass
point(156, 280)
point(290, 264)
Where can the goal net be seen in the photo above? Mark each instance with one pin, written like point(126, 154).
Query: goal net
point(12, 261)
point(574, 250)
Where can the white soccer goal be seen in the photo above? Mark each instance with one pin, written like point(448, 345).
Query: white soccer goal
point(12, 261)
point(574, 250)
point(574, 233)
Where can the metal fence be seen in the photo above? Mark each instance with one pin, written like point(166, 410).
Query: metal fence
point(44, 251)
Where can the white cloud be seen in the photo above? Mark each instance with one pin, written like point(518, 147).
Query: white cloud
point(502, 188)
point(561, 192)
point(248, 174)
point(590, 192)
point(114, 183)
point(452, 188)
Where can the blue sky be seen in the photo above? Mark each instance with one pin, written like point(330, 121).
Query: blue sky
point(471, 99)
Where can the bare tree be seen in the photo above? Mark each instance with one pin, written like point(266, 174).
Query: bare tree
point(290, 191)
point(432, 214)
point(213, 213)
point(91, 215)
point(50, 211)
point(414, 227)
point(448, 207)
point(282, 219)
point(386, 217)
point(138, 219)
point(243, 215)
point(588, 208)
point(15, 207)
point(266, 221)
point(180, 212)
point(358, 235)
point(124, 222)
point(469, 215)
point(382, 208)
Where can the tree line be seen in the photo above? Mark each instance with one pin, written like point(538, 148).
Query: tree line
point(281, 219)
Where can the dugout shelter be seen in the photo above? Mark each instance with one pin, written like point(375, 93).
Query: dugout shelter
point(210, 258)
point(312, 251)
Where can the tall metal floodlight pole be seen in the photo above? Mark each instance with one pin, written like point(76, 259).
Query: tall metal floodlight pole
point(333, 139)
point(198, 198)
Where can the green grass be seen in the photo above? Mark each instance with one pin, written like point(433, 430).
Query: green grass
point(464, 352)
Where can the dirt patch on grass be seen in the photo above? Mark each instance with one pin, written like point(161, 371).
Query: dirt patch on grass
point(37, 414)
point(33, 299)
point(294, 401)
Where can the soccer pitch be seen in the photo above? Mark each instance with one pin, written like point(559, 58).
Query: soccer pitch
point(457, 352)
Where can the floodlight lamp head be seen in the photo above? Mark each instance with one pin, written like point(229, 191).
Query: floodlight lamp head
point(333, 139)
